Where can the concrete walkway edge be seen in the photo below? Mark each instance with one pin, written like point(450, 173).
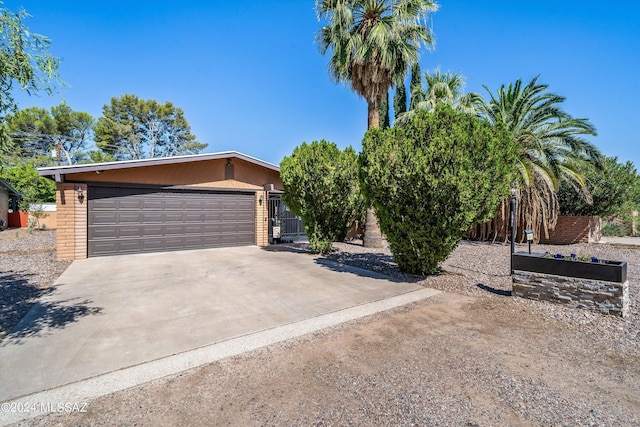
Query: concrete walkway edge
point(75, 396)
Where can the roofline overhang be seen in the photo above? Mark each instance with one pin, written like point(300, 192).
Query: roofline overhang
point(57, 173)
point(9, 188)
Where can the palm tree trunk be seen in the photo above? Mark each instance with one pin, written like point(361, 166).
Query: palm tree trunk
point(372, 235)
point(373, 117)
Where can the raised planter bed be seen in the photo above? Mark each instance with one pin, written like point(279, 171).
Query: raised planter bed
point(610, 271)
point(598, 286)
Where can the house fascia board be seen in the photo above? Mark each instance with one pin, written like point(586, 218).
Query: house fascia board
point(58, 172)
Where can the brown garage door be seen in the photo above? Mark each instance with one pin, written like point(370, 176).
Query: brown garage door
point(131, 220)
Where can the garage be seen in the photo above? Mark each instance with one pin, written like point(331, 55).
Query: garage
point(123, 220)
point(163, 204)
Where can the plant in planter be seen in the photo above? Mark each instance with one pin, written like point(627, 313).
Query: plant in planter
point(574, 257)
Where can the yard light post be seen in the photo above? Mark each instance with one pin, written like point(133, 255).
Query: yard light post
point(512, 220)
point(529, 234)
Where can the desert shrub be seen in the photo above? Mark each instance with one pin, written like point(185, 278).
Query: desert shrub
point(610, 187)
point(321, 186)
point(429, 181)
point(613, 229)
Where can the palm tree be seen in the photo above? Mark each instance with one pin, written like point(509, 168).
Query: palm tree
point(373, 43)
point(552, 149)
point(441, 87)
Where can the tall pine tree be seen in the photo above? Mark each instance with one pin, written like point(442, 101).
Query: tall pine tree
point(400, 99)
point(385, 122)
point(415, 87)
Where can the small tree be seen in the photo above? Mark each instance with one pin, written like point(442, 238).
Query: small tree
point(321, 186)
point(385, 121)
point(415, 87)
point(429, 181)
point(400, 99)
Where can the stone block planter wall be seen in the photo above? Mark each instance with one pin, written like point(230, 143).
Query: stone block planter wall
point(604, 297)
point(599, 286)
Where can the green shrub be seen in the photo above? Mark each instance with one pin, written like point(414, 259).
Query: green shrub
point(613, 229)
point(321, 186)
point(429, 181)
point(610, 187)
point(23, 176)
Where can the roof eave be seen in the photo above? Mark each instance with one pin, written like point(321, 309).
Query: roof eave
point(57, 172)
point(9, 188)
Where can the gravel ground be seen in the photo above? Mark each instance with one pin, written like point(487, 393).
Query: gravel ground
point(481, 269)
point(28, 269)
point(476, 357)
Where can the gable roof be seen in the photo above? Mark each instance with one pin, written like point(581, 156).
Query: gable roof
point(9, 188)
point(57, 172)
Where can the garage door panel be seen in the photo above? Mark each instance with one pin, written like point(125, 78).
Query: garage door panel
point(104, 204)
point(152, 218)
point(230, 216)
point(170, 217)
point(105, 247)
point(100, 218)
point(130, 204)
point(194, 205)
point(126, 217)
point(197, 229)
point(236, 228)
point(174, 230)
point(149, 245)
point(174, 243)
point(191, 217)
point(149, 231)
point(130, 220)
point(129, 231)
point(152, 204)
point(103, 233)
point(130, 246)
point(212, 205)
point(173, 204)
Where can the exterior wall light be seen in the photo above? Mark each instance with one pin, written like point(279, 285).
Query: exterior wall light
point(80, 194)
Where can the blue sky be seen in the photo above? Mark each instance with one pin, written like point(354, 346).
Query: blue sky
point(249, 76)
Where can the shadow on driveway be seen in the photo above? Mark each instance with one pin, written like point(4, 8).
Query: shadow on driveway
point(22, 314)
point(46, 315)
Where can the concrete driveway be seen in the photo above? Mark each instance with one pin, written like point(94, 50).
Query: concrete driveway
point(110, 313)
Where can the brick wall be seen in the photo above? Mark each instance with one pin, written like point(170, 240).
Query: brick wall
point(574, 229)
point(72, 221)
point(262, 216)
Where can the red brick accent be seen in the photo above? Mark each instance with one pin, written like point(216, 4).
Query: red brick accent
point(574, 229)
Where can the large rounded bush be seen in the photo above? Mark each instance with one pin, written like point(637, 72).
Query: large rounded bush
point(432, 179)
point(321, 186)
